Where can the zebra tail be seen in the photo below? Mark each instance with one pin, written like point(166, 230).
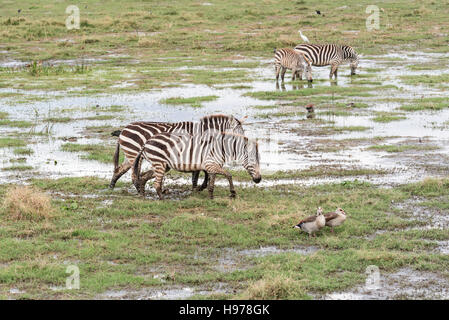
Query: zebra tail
point(116, 156)
point(274, 51)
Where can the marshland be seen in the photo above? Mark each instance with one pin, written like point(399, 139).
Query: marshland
point(375, 145)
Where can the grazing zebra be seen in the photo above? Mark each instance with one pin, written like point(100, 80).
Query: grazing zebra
point(134, 135)
point(329, 54)
point(287, 58)
point(208, 152)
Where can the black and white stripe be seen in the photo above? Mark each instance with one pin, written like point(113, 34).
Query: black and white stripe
point(133, 137)
point(287, 58)
point(209, 151)
point(329, 54)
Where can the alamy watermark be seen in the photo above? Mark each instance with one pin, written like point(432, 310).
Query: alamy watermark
point(73, 280)
point(373, 20)
point(73, 20)
point(372, 281)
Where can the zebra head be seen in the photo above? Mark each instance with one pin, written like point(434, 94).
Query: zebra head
point(350, 55)
point(353, 58)
point(354, 64)
point(235, 125)
point(251, 160)
point(222, 123)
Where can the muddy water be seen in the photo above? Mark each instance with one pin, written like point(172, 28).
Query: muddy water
point(280, 147)
point(403, 284)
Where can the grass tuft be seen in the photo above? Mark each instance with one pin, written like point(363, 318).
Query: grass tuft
point(26, 203)
point(277, 287)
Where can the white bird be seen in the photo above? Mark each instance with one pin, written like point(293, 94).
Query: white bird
point(303, 36)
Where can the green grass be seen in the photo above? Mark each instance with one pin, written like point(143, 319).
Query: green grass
point(11, 142)
point(385, 117)
point(402, 148)
point(323, 171)
point(430, 80)
point(23, 151)
point(334, 90)
point(17, 168)
point(121, 241)
point(194, 102)
point(188, 27)
point(16, 123)
point(348, 128)
point(98, 152)
point(59, 119)
point(434, 104)
point(116, 245)
point(356, 105)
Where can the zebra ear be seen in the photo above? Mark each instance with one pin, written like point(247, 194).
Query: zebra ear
point(243, 119)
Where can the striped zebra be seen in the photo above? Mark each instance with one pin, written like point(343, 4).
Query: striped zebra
point(329, 54)
point(208, 152)
point(134, 135)
point(287, 58)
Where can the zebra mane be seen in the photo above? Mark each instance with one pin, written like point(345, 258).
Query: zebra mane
point(216, 117)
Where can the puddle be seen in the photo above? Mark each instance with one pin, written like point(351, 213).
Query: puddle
point(433, 217)
point(403, 284)
point(264, 251)
point(168, 293)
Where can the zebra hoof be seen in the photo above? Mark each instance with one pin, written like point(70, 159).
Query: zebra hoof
point(232, 195)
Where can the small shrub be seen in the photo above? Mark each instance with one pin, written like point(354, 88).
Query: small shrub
point(26, 203)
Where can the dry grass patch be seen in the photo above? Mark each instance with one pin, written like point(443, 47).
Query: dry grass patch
point(26, 203)
point(274, 288)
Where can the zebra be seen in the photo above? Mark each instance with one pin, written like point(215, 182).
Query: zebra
point(287, 58)
point(134, 135)
point(208, 151)
point(329, 54)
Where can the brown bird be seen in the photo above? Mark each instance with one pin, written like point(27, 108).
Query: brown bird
point(313, 223)
point(334, 219)
point(309, 107)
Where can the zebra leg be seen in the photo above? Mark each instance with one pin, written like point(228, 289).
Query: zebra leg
point(195, 176)
point(283, 73)
point(309, 73)
point(277, 68)
point(147, 175)
point(293, 74)
point(136, 180)
point(218, 170)
point(121, 170)
point(231, 185)
point(334, 68)
point(300, 72)
point(206, 179)
point(159, 172)
point(211, 185)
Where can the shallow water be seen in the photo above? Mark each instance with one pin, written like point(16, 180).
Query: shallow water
point(280, 147)
point(403, 284)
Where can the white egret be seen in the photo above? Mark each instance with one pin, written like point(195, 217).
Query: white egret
point(303, 36)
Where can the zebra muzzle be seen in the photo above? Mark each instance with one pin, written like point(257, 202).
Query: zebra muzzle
point(257, 179)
